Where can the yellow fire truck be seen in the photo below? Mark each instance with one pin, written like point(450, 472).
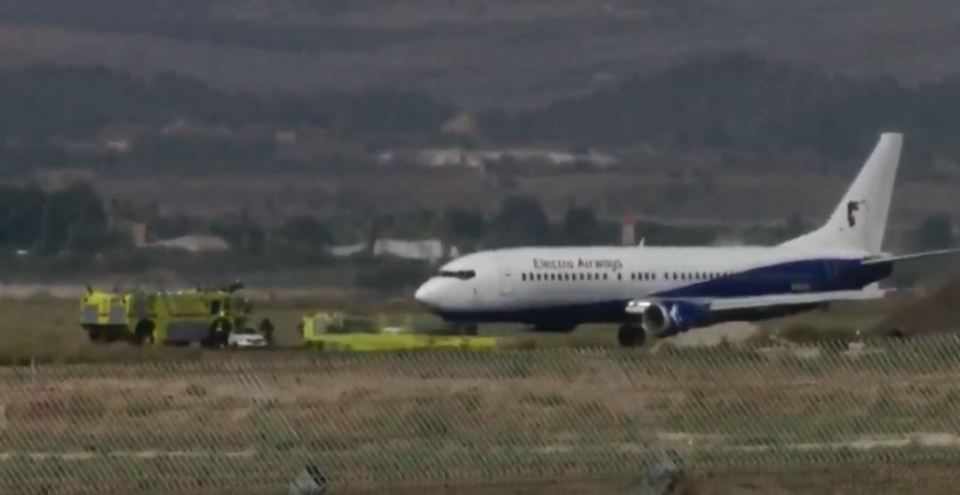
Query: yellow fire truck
point(207, 316)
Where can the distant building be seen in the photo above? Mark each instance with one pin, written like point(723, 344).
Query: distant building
point(348, 250)
point(430, 250)
point(193, 244)
point(464, 125)
point(424, 250)
point(628, 230)
point(460, 157)
point(187, 128)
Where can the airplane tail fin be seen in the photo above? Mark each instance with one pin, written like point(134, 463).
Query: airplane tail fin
point(860, 220)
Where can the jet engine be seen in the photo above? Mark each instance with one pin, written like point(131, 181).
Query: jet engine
point(666, 318)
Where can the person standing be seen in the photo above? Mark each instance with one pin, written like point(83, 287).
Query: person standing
point(266, 328)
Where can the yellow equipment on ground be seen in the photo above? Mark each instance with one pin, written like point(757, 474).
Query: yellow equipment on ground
point(337, 331)
point(206, 316)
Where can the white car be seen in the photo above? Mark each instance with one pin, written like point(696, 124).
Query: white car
point(246, 338)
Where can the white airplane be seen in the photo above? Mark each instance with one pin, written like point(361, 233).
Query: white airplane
point(662, 291)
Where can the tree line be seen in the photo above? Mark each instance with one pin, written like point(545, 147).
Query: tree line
point(731, 103)
point(740, 102)
point(54, 101)
point(73, 231)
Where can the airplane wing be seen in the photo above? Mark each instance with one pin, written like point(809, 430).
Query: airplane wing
point(725, 304)
point(909, 257)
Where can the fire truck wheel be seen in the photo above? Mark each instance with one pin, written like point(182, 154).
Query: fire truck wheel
point(219, 333)
point(143, 334)
point(95, 335)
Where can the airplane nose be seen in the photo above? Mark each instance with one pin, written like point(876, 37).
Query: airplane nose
point(427, 294)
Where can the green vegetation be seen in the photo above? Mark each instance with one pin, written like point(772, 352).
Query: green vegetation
point(936, 232)
point(742, 103)
point(48, 104)
point(736, 103)
point(72, 219)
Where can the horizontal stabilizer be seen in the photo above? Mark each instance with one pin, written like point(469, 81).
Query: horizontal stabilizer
point(910, 257)
point(726, 304)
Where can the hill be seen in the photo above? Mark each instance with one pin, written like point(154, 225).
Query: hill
point(476, 53)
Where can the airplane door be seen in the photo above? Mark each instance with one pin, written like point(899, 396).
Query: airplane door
point(506, 281)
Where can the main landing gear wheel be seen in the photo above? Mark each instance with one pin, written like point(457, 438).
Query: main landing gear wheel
point(144, 333)
point(631, 336)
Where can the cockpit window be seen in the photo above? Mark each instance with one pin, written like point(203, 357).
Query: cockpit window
point(460, 274)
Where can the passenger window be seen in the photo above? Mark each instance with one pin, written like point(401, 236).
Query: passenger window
point(604, 276)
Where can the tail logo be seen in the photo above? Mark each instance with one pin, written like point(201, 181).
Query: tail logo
point(852, 208)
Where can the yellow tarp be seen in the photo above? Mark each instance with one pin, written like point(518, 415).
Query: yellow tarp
point(401, 342)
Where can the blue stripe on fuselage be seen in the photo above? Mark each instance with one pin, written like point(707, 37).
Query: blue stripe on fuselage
point(820, 275)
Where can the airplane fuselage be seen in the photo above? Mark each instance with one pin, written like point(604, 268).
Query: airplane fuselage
point(560, 288)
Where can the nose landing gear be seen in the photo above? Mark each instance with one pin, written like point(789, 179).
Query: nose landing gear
point(631, 335)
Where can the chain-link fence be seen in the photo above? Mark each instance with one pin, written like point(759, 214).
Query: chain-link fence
point(881, 417)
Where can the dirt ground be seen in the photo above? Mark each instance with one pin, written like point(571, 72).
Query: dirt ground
point(744, 419)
